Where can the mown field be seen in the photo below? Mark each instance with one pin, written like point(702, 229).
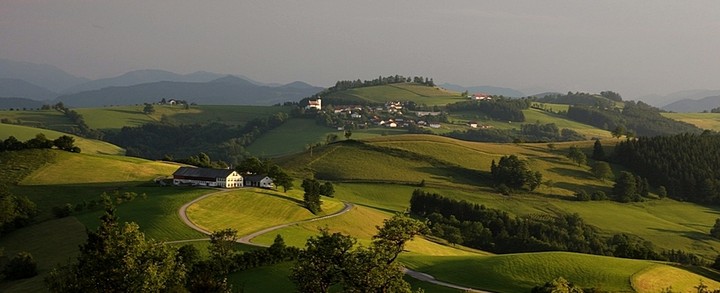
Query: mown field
point(89, 146)
point(401, 92)
point(521, 272)
point(709, 121)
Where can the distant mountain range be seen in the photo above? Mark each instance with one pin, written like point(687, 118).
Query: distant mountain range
point(492, 90)
point(50, 84)
point(228, 90)
point(695, 105)
point(19, 103)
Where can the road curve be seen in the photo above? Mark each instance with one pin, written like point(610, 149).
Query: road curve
point(182, 212)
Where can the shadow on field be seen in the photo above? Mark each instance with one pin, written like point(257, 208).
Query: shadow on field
point(694, 235)
point(127, 111)
point(295, 200)
point(572, 173)
point(589, 188)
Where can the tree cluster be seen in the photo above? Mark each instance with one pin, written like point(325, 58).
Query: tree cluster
point(496, 231)
point(579, 98)
point(635, 119)
point(66, 143)
point(15, 211)
point(329, 260)
point(253, 165)
point(496, 109)
point(218, 140)
point(630, 188)
point(313, 190)
point(527, 133)
point(514, 173)
point(342, 85)
point(81, 128)
point(687, 165)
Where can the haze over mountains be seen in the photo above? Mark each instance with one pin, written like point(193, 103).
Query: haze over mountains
point(27, 83)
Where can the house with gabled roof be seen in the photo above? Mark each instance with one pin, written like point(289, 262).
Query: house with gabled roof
point(261, 181)
point(224, 178)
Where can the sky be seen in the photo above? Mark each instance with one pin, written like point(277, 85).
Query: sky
point(636, 48)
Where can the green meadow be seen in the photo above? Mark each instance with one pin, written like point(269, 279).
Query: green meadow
point(91, 146)
point(709, 121)
point(401, 92)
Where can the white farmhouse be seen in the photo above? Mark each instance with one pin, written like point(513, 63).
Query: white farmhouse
point(315, 104)
point(223, 178)
point(259, 181)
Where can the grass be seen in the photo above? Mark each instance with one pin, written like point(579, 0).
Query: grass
point(521, 272)
point(50, 119)
point(50, 243)
point(249, 210)
point(88, 146)
point(658, 277)
point(296, 135)
point(702, 120)
point(118, 116)
point(402, 92)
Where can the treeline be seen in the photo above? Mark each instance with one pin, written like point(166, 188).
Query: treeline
point(81, 128)
point(497, 109)
point(635, 119)
point(473, 225)
point(528, 133)
point(605, 100)
point(66, 143)
point(15, 211)
point(381, 80)
point(218, 140)
point(687, 165)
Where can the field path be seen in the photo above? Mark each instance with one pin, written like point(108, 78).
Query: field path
point(182, 212)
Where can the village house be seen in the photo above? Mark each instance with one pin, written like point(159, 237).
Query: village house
point(259, 181)
point(472, 124)
point(480, 97)
point(223, 178)
point(314, 104)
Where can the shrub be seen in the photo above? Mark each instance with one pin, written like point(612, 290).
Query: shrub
point(21, 266)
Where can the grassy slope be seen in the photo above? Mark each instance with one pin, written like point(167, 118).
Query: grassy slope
point(90, 146)
point(702, 120)
point(667, 223)
point(39, 118)
point(501, 272)
point(250, 210)
point(50, 243)
point(119, 116)
point(296, 134)
point(402, 92)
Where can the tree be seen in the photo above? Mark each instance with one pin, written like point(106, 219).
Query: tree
point(117, 258)
point(715, 231)
point(618, 131)
point(601, 170)
point(558, 285)
point(149, 108)
point(280, 178)
point(576, 155)
point(64, 142)
point(21, 266)
point(319, 265)
point(348, 134)
point(625, 188)
point(221, 249)
point(598, 151)
point(514, 173)
point(311, 198)
point(327, 189)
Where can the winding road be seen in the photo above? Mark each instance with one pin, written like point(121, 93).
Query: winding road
point(182, 212)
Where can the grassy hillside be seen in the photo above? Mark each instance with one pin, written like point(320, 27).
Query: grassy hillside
point(296, 135)
point(702, 120)
point(90, 146)
point(250, 210)
point(454, 169)
point(119, 116)
point(400, 92)
point(521, 272)
point(39, 118)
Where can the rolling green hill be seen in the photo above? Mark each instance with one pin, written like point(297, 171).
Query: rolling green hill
point(89, 146)
point(420, 94)
point(521, 272)
point(709, 121)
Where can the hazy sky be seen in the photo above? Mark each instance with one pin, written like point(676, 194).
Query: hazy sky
point(634, 47)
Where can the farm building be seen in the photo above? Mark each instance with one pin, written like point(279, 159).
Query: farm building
point(224, 178)
point(259, 181)
point(314, 104)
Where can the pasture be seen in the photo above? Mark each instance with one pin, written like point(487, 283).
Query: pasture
point(401, 92)
point(521, 272)
point(709, 121)
point(88, 146)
